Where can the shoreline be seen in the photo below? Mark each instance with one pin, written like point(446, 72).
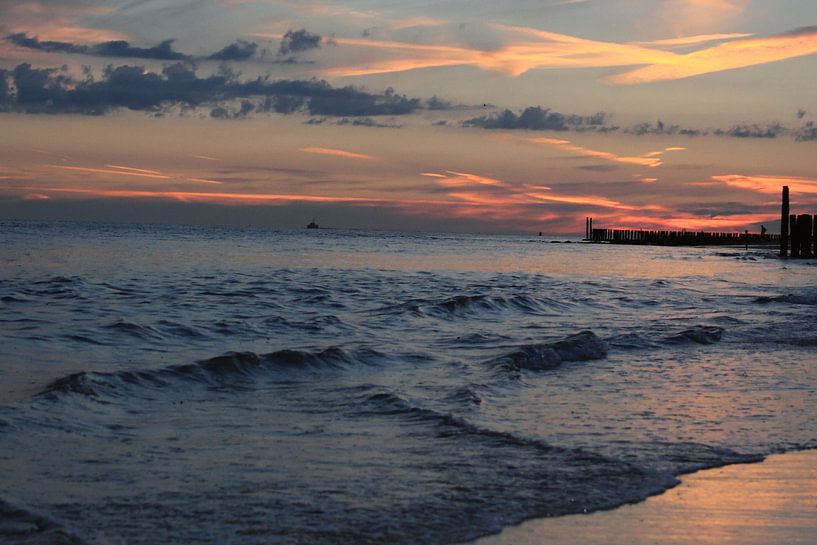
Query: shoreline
point(764, 503)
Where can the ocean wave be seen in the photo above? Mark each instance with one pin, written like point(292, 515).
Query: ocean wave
point(700, 334)
point(19, 526)
point(232, 367)
point(629, 341)
point(583, 346)
point(465, 395)
point(59, 287)
point(14, 299)
point(471, 304)
point(790, 298)
point(524, 477)
point(135, 330)
point(474, 305)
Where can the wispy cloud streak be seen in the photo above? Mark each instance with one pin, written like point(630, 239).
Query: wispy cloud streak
point(338, 153)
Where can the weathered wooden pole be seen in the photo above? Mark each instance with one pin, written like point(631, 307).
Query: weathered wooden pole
point(784, 223)
point(804, 223)
point(795, 236)
point(814, 235)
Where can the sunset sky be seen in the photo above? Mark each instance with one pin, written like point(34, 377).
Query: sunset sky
point(463, 115)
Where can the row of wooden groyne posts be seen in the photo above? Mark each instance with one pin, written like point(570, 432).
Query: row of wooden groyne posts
point(798, 235)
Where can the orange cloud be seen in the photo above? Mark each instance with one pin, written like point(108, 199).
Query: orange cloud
point(36, 197)
point(246, 198)
point(504, 193)
point(133, 172)
point(131, 169)
point(338, 153)
point(648, 160)
point(769, 185)
point(691, 223)
point(526, 48)
point(726, 56)
point(692, 40)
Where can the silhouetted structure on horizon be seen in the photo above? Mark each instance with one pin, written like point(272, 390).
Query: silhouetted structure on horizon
point(798, 235)
point(674, 238)
point(798, 232)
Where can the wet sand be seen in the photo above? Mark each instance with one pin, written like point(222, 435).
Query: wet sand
point(769, 503)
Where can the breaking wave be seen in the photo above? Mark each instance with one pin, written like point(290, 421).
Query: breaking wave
point(584, 346)
point(230, 368)
point(699, 334)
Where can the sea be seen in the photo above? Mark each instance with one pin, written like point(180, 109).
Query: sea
point(176, 384)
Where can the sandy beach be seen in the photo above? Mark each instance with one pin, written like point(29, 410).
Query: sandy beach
point(772, 502)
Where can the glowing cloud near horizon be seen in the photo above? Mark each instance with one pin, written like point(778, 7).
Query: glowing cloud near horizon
point(769, 185)
point(338, 153)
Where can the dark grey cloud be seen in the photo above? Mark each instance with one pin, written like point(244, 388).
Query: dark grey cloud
point(50, 90)
point(239, 50)
point(120, 48)
point(714, 210)
point(21, 39)
point(116, 48)
point(535, 118)
point(661, 128)
point(298, 41)
point(367, 122)
point(772, 130)
point(806, 133)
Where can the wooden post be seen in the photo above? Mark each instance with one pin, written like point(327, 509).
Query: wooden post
point(814, 236)
point(784, 223)
point(804, 223)
point(795, 236)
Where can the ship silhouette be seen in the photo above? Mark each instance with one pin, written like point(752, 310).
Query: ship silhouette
point(313, 225)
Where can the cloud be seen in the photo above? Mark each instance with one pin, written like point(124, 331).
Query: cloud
point(200, 196)
point(239, 50)
point(806, 133)
point(20, 39)
point(651, 159)
point(485, 191)
point(338, 153)
point(121, 48)
point(768, 185)
point(50, 90)
point(115, 48)
point(536, 118)
point(117, 171)
point(35, 197)
point(520, 49)
point(726, 56)
point(298, 41)
point(661, 128)
point(773, 130)
point(692, 40)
